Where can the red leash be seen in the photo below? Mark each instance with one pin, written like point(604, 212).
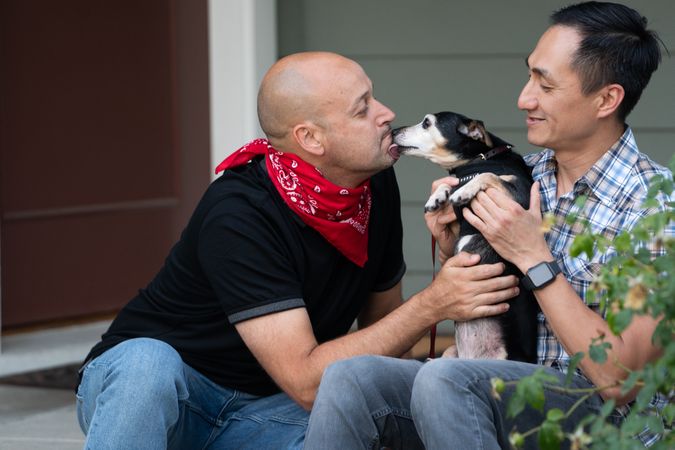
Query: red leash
point(432, 331)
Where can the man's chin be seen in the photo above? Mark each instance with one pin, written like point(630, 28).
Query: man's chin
point(536, 141)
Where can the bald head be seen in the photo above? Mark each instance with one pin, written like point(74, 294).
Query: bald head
point(294, 90)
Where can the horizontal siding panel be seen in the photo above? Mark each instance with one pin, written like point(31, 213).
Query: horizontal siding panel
point(488, 89)
point(432, 55)
point(395, 27)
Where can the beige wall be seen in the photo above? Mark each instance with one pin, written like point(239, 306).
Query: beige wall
point(431, 55)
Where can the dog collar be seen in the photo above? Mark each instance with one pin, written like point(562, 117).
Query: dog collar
point(482, 157)
point(494, 152)
point(465, 179)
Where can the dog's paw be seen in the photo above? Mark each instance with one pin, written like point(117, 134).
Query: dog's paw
point(438, 199)
point(464, 195)
point(434, 204)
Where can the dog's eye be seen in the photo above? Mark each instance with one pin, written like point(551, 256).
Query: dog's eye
point(426, 123)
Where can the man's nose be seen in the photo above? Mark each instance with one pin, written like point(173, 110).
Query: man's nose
point(386, 115)
point(526, 99)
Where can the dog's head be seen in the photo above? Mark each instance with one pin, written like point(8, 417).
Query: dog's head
point(445, 138)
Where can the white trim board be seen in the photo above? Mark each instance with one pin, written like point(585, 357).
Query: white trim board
point(26, 352)
point(242, 46)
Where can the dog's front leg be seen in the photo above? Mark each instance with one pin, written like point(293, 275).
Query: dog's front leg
point(438, 199)
point(481, 182)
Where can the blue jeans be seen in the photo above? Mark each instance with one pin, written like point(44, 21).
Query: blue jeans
point(372, 402)
point(140, 395)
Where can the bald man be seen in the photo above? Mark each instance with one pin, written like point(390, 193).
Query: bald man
point(299, 237)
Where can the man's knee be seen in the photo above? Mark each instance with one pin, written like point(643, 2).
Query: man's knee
point(449, 377)
point(363, 377)
point(350, 375)
point(142, 368)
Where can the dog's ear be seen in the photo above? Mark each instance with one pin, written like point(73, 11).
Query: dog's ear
point(476, 131)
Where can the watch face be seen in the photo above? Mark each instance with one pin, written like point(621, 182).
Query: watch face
point(540, 274)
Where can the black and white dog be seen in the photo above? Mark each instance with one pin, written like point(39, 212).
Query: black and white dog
point(480, 160)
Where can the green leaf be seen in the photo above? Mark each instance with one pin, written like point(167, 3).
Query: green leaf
point(622, 242)
point(655, 424)
point(633, 424)
point(534, 393)
point(580, 201)
point(607, 408)
point(645, 395)
point(516, 405)
point(630, 382)
point(550, 436)
point(582, 243)
point(555, 415)
point(571, 369)
point(598, 352)
point(619, 321)
point(669, 413)
point(654, 186)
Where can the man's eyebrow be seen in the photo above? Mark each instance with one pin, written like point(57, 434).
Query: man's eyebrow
point(358, 101)
point(539, 71)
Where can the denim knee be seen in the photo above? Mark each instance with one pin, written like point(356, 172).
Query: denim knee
point(131, 395)
point(449, 377)
point(348, 377)
point(145, 368)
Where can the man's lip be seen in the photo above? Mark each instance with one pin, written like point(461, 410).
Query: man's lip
point(533, 120)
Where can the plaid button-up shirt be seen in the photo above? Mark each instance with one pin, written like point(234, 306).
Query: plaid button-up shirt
point(616, 187)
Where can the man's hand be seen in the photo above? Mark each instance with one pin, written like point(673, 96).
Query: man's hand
point(515, 233)
point(465, 290)
point(438, 223)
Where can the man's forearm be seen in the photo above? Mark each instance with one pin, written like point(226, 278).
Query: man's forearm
point(392, 335)
point(576, 325)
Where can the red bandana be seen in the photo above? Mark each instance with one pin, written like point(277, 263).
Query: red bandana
point(340, 215)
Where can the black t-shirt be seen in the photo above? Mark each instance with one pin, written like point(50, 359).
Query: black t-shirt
point(245, 254)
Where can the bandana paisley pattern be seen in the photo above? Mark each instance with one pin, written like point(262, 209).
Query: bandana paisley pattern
point(339, 214)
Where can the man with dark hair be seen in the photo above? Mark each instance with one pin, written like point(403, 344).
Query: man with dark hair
point(585, 75)
point(616, 47)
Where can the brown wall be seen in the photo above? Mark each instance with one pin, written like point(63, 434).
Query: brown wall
point(103, 148)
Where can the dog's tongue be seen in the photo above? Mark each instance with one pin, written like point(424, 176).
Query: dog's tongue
point(393, 151)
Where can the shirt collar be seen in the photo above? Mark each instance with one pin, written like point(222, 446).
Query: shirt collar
point(612, 171)
point(608, 174)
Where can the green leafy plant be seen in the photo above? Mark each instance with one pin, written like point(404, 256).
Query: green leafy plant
point(631, 283)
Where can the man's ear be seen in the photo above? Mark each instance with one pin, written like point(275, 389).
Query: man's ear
point(609, 99)
point(309, 137)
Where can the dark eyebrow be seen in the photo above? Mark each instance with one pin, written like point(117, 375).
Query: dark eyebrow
point(539, 71)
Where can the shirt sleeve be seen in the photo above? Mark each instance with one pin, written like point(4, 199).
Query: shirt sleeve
point(247, 261)
point(385, 189)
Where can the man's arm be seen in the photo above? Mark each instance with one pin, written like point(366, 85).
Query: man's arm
point(516, 234)
point(380, 304)
point(285, 345)
point(575, 325)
